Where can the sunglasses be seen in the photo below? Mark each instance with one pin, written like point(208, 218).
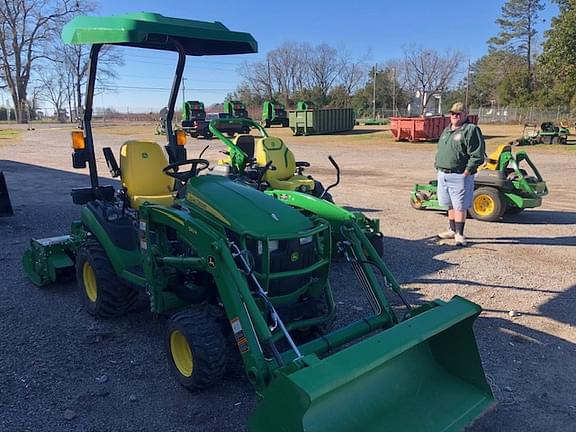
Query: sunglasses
point(456, 114)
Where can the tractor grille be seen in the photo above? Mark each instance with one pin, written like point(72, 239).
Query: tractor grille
point(288, 255)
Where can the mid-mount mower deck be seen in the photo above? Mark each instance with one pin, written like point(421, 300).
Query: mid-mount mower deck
point(501, 186)
point(221, 258)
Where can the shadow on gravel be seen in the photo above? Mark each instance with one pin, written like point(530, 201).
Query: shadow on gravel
point(479, 284)
point(561, 307)
point(361, 209)
point(543, 241)
point(360, 131)
point(511, 352)
point(541, 217)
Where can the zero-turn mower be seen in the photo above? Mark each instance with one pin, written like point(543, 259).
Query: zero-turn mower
point(501, 185)
point(220, 258)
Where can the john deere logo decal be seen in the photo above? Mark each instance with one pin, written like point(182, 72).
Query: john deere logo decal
point(294, 256)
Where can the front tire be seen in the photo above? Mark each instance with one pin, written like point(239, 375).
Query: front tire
point(196, 348)
point(487, 204)
point(416, 203)
point(102, 292)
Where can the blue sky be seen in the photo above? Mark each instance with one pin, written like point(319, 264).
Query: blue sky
point(377, 30)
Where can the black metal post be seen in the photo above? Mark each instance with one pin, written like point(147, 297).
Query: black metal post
point(87, 126)
point(173, 96)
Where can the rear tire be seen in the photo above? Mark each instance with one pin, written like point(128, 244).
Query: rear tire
point(102, 292)
point(487, 204)
point(196, 348)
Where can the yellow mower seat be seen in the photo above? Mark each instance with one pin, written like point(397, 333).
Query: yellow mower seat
point(141, 164)
point(284, 176)
point(493, 160)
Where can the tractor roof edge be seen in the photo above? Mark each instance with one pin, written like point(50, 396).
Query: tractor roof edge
point(150, 30)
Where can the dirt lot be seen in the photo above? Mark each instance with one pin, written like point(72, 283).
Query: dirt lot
point(63, 371)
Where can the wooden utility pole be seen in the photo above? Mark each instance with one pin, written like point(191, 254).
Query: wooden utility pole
point(374, 93)
point(467, 84)
point(393, 91)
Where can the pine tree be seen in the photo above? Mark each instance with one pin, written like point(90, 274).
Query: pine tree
point(518, 30)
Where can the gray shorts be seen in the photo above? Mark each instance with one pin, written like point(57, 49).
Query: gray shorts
point(455, 190)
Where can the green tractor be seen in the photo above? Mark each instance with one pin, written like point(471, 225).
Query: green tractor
point(502, 185)
point(224, 261)
point(274, 113)
point(266, 163)
point(305, 105)
point(236, 109)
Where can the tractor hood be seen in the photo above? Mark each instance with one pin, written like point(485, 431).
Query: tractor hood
point(243, 208)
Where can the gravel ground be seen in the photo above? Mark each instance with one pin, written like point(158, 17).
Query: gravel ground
point(61, 370)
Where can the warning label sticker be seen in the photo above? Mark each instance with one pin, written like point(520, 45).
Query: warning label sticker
point(241, 340)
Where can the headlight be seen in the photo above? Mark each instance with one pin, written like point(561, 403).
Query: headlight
point(272, 246)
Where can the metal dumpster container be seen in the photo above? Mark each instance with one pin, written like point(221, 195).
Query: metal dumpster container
point(421, 128)
point(321, 121)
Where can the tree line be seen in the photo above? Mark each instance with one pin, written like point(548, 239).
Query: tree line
point(515, 71)
point(36, 66)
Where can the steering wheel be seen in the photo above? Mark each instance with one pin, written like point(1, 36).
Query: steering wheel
point(196, 165)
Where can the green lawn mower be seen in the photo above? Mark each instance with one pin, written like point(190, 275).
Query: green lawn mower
point(224, 261)
point(549, 133)
point(501, 186)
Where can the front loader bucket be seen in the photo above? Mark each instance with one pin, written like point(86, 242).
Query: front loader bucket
point(422, 375)
point(49, 259)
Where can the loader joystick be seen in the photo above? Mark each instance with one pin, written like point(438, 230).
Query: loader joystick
point(196, 165)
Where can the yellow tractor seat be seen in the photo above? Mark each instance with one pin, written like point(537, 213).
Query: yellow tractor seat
point(141, 164)
point(284, 175)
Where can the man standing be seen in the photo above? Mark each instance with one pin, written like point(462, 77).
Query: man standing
point(460, 152)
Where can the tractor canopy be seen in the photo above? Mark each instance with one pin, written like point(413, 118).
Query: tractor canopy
point(150, 30)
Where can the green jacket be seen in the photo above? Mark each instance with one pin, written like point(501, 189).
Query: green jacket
point(461, 148)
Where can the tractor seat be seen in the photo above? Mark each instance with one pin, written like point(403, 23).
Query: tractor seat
point(141, 164)
point(284, 175)
point(245, 143)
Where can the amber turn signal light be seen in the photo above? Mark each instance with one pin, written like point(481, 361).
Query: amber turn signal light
point(78, 142)
point(180, 137)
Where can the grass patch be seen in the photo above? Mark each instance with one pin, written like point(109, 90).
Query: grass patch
point(9, 133)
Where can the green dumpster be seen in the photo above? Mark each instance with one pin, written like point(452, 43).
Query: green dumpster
point(321, 121)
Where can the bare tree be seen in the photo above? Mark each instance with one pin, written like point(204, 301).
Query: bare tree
point(54, 89)
point(76, 59)
point(325, 67)
point(26, 29)
point(426, 72)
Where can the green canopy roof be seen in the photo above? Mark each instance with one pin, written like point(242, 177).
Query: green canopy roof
point(150, 30)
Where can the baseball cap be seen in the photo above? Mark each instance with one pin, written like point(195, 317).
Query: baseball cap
point(458, 107)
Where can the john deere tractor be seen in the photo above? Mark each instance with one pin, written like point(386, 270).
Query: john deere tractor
point(265, 162)
point(502, 185)
point(235, 109)
point(221, 259)
point(274, 113)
